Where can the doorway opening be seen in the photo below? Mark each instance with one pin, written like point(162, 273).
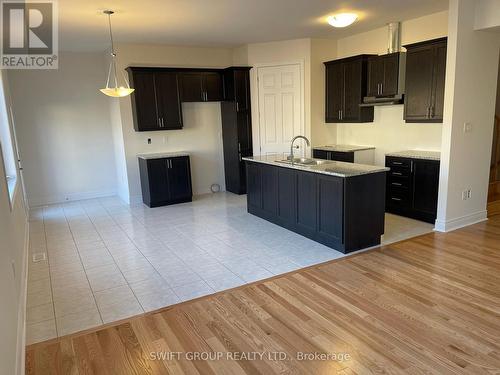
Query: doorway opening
point(494, 185)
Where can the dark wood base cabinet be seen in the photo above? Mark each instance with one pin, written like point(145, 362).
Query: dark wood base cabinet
point(346, 214)
point(412, 188)
point(334, 155)
point(165, 181)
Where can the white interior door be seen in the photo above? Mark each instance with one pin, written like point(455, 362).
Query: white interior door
point(280, 112)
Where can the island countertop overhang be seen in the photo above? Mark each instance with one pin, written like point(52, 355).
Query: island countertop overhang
point(331, 168)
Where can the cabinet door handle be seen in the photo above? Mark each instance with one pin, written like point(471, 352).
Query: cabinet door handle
point(381, 89)
point(396, 199)
point(397, 163)
point(239, 147)
point(396, 184)
point(341, 114)
point(159, 123)
point(432, 111)
point(397, 173)
point(162, 124)
point(237, 107)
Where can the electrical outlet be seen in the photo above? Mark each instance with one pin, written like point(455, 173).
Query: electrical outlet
point(467, 127)
point(149, 141)
point(466, 194)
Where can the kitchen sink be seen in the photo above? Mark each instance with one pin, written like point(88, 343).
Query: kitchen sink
point(307, 162)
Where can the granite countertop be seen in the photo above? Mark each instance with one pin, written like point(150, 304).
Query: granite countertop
point(332, 168)
point(343, 148)
point(417, 154)
point(160, 155)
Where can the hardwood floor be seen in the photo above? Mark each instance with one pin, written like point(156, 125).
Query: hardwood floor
point(426, 305)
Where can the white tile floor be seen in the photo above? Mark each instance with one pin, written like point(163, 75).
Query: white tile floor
point(108, 261)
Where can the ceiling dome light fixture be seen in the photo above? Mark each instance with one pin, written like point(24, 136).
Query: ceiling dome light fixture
point(342, 19)
point(117, 91)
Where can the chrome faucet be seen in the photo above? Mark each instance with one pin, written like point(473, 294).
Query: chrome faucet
point(293, 140)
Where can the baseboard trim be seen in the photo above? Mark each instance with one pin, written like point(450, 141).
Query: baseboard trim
point(135, 199)
point(449, 225)
point(43, 201)
point(21, 313)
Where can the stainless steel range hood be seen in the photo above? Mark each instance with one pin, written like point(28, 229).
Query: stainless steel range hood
point(393, 46)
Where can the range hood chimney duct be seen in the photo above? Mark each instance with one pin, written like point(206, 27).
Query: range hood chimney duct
point(391, 97)
point(394, 43)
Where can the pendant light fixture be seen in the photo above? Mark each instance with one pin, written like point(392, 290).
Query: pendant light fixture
point(116, 91)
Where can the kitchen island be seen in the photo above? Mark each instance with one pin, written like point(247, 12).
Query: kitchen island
point(338, 204)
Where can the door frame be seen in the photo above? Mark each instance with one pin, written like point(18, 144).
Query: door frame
point(254, 95)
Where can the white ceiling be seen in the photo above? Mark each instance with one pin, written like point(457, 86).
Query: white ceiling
point(222, 22)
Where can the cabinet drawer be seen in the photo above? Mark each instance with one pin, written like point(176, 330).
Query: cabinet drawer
point(398, 197)
point(399, 172)
point(398, 163)
point(398, 183)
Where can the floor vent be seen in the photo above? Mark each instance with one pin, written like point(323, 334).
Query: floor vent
point(39, 257)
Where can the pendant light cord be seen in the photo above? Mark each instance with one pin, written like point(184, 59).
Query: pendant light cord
point(113, 54)
point(112, 66)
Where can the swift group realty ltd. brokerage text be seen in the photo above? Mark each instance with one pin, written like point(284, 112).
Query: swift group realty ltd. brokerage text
point(248, 356)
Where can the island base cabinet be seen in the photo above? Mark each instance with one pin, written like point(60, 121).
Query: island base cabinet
point(346, 214)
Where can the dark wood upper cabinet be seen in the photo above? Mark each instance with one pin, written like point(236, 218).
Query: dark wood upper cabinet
point(425, 76)
point(168, 100)
point(192, 87)
point(346, 85)
point(155, 101)
point(236, 127)
point(237, 87)
point(212, 84)
point(334, 92)
point(201, 87)
point(439, 80)
point(144, 110)
point(159, 92)
point(383, 74)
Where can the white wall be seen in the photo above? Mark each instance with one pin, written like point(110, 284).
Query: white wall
point(202, 132)
point(471, 79)
point(64, 130)
point(389, 132)
point(13, 249)
point(487, 14)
